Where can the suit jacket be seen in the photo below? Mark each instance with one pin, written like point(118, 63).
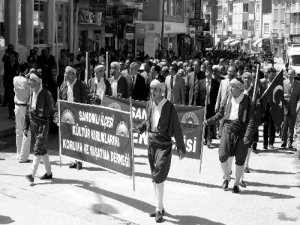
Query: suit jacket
point(122, 87)
point(222, 93)
point(175, 95)
point(191, 85)
point(292, 105)
point(138, 91)
point(80, 92)
point(92, 89)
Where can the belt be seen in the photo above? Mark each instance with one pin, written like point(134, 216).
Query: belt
point(23, 104)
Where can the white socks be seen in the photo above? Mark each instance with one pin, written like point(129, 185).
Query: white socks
point(36, 162)
point(238, 174)
point(226, 170)
point(159, 194)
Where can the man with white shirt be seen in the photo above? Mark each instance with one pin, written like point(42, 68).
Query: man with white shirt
point(237, 132)
point(73, 90)
point(162, 124)
point(137, 83)
point(22, 94)
point(119, 84)
point(175, 91)
point(41, 109)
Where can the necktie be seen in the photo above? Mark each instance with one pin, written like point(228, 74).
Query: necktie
point(208, 91)
point(172, 82)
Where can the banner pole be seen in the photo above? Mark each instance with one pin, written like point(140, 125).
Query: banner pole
point(86, 67)
point(59, 134)
point(203, 131)
point(132, 145)
point(106, 62)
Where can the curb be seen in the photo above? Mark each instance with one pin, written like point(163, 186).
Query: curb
point(7, 132)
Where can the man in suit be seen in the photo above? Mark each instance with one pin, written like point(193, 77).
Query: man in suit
point(73, 90)
point(137, 85)
point(192, 80)
point(175, 86)
point(291, 89)
point(118, 83)
point(206, 96)
point(269, 127)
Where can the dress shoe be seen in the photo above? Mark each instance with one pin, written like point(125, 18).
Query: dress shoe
point(246, 170)
point(225, 184)
point(78, 165)
point(159, 217)
point(283, 145)
point(46, 176)
point(204, 142)
point(271, 147)
point(26, 161)
point(243, 184)
point(255, 151)
point(30, 178)
point(290, 145)
point(209, 144)
point(153, 214)
point(265, 147)
point(73, 165)
point(235, 189)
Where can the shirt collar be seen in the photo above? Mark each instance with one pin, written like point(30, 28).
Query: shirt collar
point(161, 103)
point(72, 84)
point(239, 99)
point(40, 89)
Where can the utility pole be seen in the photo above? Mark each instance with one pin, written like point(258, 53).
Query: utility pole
point(162, 26)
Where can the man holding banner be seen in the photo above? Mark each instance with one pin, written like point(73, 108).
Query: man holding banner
point(162, 124)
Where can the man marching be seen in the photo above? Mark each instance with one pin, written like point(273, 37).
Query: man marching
point(237, 131)
point(162, 124)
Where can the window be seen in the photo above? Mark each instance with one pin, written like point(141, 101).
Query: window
point(245, 25)
point(282, 14)
point(258, 6)
point(172, 7)
point(40, 22)
point(266, 28)
point(166, 7)
point(229, 21)
point(62, 15)
point(245, 7)
point(178, 7)
point(2, 28)
point(275, 14)
point(257, 25)
point(219, 12)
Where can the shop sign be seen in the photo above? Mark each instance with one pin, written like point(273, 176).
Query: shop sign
point(126, 18)
point(87, 17)
point(140, 29)
point(98, 5)
point(130, 29)
point(196, 22)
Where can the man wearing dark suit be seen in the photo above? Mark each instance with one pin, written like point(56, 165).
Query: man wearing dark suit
point(175, 86)
point(269, 127)
point(206, 95)
point(73, 90)
point(192, 79)
point(119, 84)
point(291, 89)
point(137, 85)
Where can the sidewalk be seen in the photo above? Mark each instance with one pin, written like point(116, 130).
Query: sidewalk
point(7, 126)
point(81, 197)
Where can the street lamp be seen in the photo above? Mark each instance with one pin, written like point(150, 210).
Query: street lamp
point(162, 25)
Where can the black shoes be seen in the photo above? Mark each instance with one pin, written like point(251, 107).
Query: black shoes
point(235, 189)
point(77, 165)
point(290, 145)
point(26, 161)
point(153, 214)
point(246, 170)
point(46, 177)
point(225, 184)
point(283, 145)
point(30, 178)
point(243, 184)
point(73, 165)
point(159, 217)
point(265, 147)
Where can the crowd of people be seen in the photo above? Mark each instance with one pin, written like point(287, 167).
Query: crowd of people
point(221, 81)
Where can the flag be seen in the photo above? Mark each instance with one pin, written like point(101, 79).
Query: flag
point(274, 96)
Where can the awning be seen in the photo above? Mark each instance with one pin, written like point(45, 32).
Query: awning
point(235, 42)
point(257, 42)
point(226, 42)
point(247, 40)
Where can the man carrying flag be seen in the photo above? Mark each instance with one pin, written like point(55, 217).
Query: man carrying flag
point(272, 100)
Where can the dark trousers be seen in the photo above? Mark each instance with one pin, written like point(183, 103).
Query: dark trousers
point(287, 129)
point(209, 129)
point(10, 101)
point(269, 129)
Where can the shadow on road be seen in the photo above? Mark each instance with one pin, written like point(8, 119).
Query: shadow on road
point(272, 195)
point(190, 220)
point(6, 220)
point(257, 184)
point(272, 172)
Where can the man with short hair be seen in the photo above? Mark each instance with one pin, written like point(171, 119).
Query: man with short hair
point(175, 86)
point(119, 85)
point(137, 85)
point(291, 89)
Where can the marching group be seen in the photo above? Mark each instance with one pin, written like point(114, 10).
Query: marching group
point(221, 82)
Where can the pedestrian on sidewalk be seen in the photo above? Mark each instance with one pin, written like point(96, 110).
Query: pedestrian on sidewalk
point(22, 95)
point(162, 124)
point(41, 109)
point(237, 132)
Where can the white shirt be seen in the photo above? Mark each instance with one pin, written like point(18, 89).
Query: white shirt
point(100, 87)
point(235, 103)
point(35, 97)
point(156, 113)
point(247, 91)
point(114, 86)
point(22, 90)
point(70, 91)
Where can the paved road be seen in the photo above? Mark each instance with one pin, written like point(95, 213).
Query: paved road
point(95, 196)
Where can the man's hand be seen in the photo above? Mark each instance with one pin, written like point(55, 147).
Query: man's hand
point(136, 130)
point(26, 133)
point(204, 123)
point(246, 141)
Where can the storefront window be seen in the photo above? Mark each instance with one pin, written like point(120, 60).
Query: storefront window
point(2, 31)
point(40, 24)
point(62, 14)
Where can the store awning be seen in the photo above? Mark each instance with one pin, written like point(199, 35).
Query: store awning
point(247, 40)
point(226, 42)
point(257, 42)
point(235, 42)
